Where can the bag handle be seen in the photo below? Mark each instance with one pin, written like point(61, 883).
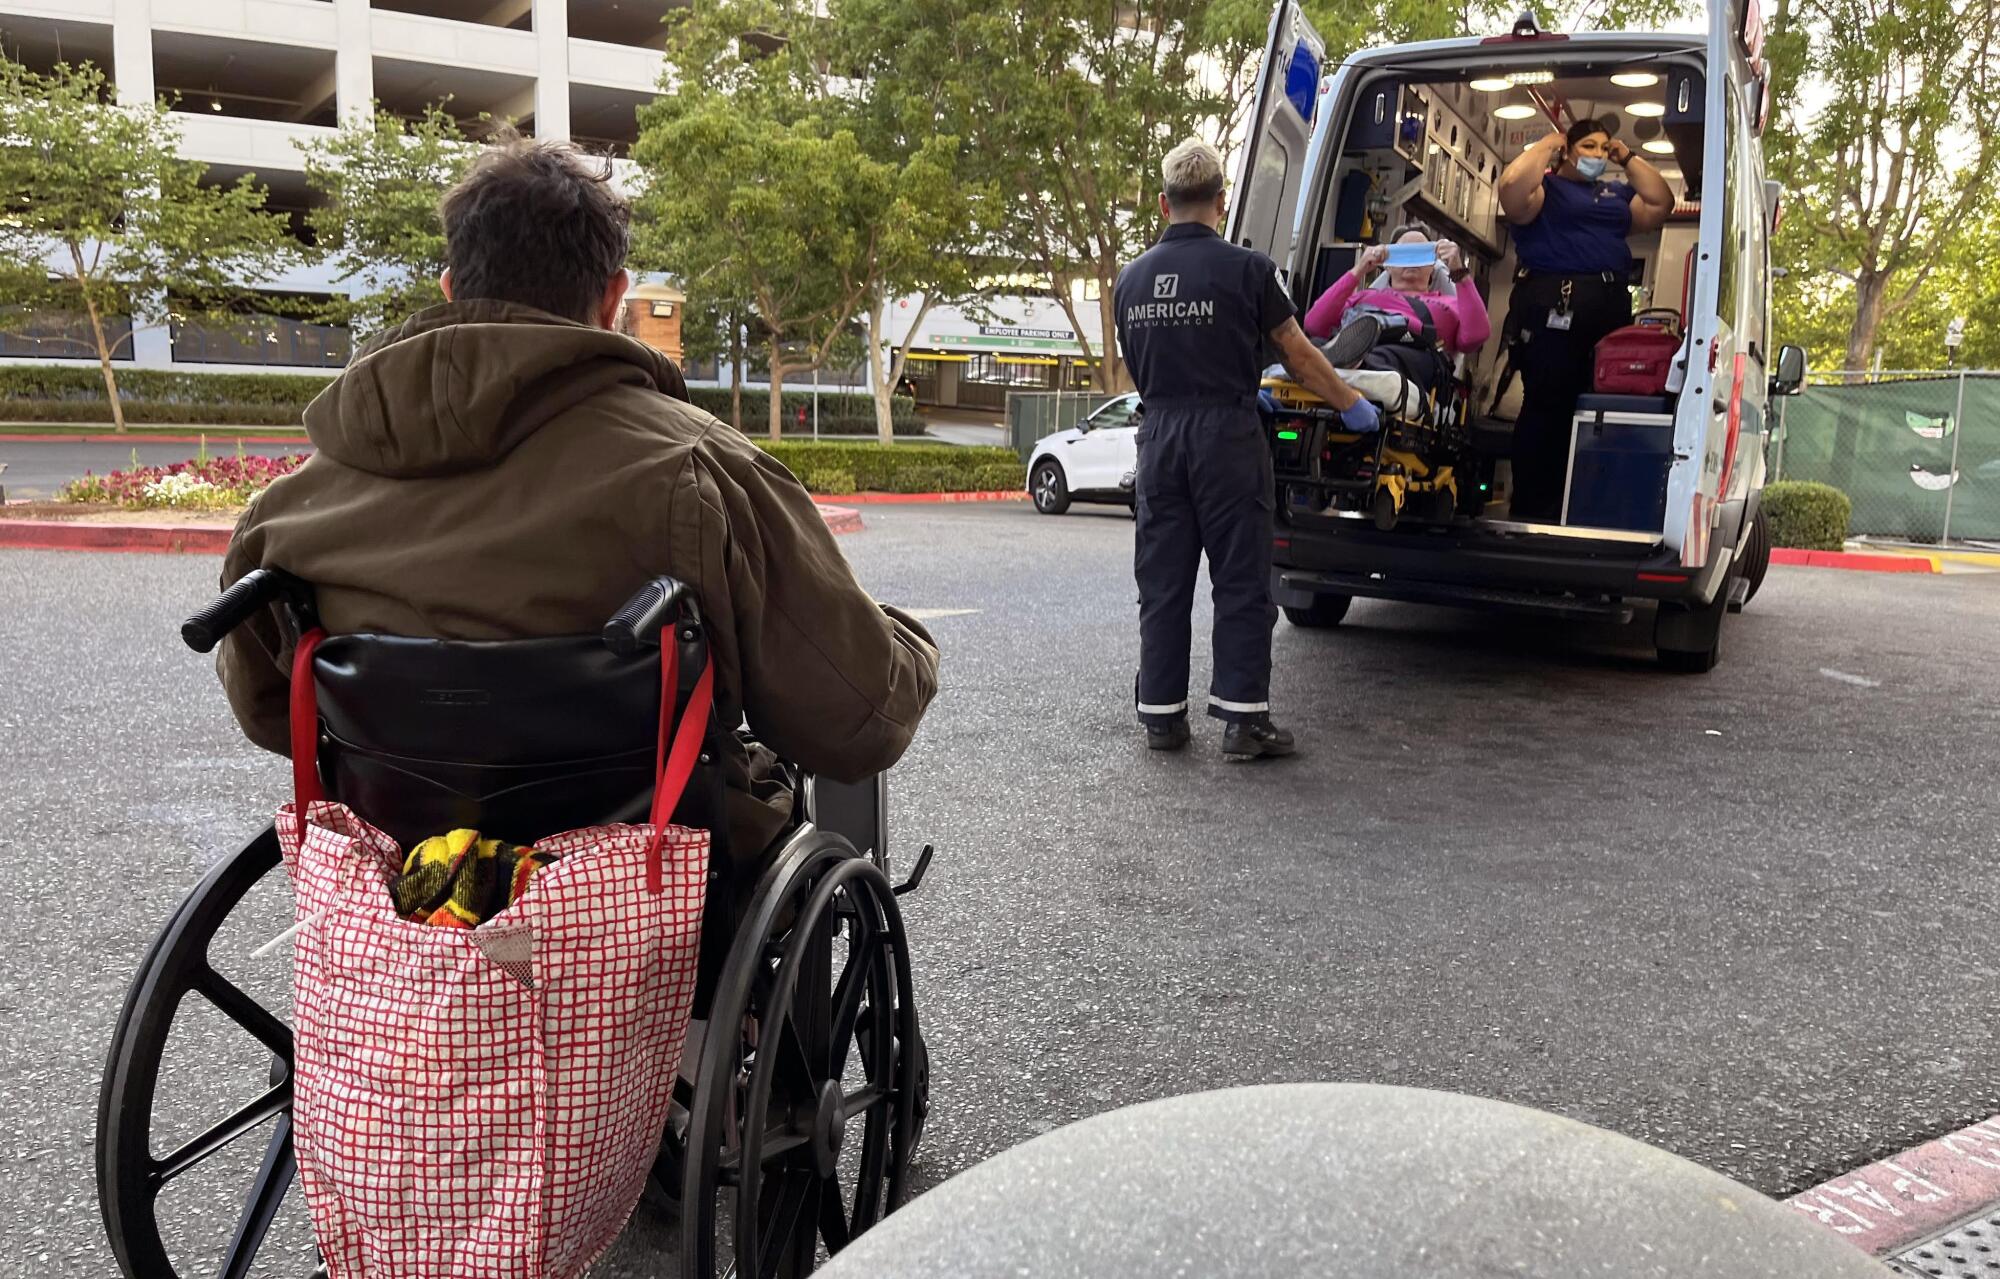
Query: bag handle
point(306, 787)
point(673, 761)
point(674, 765)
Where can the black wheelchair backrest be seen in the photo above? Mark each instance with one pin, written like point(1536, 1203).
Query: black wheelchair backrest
point(517, 739)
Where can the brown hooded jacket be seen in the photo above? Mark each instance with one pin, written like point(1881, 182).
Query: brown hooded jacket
point(490, 471)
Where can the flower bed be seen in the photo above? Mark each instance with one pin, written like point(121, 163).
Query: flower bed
point(201, 484)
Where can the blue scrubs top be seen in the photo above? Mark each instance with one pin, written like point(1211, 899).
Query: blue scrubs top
point(1580, 230)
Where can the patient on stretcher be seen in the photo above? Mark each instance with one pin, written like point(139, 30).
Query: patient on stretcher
point(1413, 319)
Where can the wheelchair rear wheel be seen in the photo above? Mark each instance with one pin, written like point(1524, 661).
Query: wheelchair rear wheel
point(806, 1033)
point(178, 988)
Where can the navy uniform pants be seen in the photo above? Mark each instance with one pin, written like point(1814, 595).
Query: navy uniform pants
point(1204, 485)
point(1556, 366)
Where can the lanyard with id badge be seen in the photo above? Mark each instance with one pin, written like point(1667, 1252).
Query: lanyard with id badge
point(1560, 317)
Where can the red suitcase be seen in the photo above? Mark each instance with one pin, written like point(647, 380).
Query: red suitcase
point(1636, 359)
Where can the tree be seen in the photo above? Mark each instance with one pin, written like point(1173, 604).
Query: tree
point(758, 191)
point(98, 214)
point(1068, 105)
point(1893, 171)
point(1066, 110)
point(380, 179)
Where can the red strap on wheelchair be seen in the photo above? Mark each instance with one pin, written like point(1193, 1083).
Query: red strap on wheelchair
point(674, 765)
point(306, 787)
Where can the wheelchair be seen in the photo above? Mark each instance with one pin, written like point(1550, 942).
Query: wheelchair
point(794, 1131)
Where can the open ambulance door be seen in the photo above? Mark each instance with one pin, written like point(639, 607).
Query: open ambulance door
point(1264, 203)
point(1709, 418)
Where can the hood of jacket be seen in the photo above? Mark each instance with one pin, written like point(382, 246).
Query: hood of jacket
point(457, 387)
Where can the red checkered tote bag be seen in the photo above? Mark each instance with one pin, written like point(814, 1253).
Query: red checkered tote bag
point(485, 1103)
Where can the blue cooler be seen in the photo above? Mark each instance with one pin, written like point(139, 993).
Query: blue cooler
point(1621, 447)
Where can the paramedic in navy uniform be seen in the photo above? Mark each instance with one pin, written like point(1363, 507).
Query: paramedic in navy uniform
point(1193, 314)
point(1573, 288)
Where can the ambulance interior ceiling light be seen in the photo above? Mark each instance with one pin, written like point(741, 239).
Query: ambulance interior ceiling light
point(1658, 146)
point(1515, 111)
point(1488, 84)
point(1635, 79)
point(1646, 108)
point(1530, 77)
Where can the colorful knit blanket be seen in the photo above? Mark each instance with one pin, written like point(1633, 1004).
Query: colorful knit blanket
point(460, 880)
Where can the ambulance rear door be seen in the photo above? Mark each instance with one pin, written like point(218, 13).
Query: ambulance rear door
point(1264, 203)
point(1708, 424)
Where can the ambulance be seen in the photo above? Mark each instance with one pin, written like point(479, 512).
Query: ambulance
point(1662, 493)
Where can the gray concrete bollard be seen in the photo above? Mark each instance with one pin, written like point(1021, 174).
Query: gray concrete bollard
point(1348, 1180)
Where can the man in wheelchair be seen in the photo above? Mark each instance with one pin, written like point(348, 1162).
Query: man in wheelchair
point(508, 465)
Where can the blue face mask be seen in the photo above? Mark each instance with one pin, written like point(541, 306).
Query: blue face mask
point(1591, 166)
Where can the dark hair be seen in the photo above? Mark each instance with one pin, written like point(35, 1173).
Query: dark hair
point(532, 222)
point(1407, 227)
point(1583, 129)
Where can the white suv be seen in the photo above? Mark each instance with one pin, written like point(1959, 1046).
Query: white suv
point(1092, 461)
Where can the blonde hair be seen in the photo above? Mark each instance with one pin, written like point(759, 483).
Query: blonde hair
point(1191, 175)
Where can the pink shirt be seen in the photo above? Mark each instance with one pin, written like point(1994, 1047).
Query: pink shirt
point(1460, 319)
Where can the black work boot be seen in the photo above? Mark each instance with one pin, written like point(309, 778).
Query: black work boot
point(1170, 736)
point(1255, 737)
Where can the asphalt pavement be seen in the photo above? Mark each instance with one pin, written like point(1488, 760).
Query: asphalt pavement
point(37, 468)
point(1744, 917)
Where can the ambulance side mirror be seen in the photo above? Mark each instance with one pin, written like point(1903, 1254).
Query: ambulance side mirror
point(1790, 377)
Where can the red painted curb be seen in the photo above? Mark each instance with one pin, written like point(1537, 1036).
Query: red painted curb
point(147, 437)
point(86, 535)
point(893, 499)
point(1888, 1206)
point(210, 539)
point(1852, 560)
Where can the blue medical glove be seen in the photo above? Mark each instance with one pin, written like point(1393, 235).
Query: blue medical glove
point(1267, 403)
point(1361, 418)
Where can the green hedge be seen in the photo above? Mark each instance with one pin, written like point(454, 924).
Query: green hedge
point(1807, 515)
point(840, 412)
point(44, 382)
point(907, 468)
point(154, 412)
point(75, 393)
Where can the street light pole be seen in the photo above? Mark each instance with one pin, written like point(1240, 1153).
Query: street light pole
point(1951, 471)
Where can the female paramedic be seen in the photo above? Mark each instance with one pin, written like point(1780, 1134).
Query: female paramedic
point(1572, 289)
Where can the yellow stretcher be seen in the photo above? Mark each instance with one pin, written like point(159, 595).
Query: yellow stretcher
point(1410, 467)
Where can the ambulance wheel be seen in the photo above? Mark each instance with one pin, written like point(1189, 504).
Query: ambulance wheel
point(1757, 558)
point(1383, 508)
point(1324, 612)
point(1049, 487)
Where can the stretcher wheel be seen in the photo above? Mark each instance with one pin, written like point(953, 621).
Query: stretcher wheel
point(1383, 508)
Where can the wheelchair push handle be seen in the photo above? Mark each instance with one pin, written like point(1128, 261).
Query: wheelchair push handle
point(258, 589)
point(638, 623)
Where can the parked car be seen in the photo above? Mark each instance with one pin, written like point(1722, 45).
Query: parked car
point(1092, 461)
